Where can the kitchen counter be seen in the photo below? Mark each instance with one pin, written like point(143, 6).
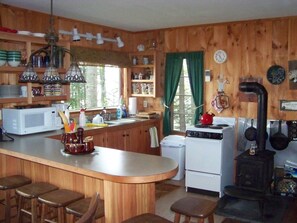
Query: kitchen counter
point(123, 179)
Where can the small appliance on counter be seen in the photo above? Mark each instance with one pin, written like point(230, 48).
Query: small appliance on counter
point(23, 121)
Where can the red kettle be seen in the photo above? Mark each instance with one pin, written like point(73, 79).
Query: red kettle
point(206, 118)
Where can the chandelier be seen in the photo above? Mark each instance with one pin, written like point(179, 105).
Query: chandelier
point(51, 75)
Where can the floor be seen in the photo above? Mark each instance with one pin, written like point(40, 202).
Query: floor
point(163, 204)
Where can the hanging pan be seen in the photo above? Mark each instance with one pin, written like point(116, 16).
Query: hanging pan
point(279, 141)
point(251, 132)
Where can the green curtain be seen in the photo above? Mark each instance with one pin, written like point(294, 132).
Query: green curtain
point(173, 69)
point(195, 70)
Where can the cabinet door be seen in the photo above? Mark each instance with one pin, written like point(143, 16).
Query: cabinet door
point(147, 140)
point(99, 139)
point(116, 139)
point(134, 142)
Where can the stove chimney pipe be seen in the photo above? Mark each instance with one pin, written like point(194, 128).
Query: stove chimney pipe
point(261, 92)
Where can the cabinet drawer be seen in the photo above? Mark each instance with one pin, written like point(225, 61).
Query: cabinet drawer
point(203, 181)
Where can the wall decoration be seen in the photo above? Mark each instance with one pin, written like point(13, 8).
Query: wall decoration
point(220, 100)
point(286, 105)
point(276, 74)
point(293, 74)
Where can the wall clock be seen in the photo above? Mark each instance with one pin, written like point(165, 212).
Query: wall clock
point(276, 74)
point(220, 56)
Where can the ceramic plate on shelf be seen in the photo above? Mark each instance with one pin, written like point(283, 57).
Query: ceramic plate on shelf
point(38, 34)
point(276, 74)
point(24, 33)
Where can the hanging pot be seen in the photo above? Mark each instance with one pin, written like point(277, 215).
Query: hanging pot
point(206, 118)
point(279, 141)
point(251, 132)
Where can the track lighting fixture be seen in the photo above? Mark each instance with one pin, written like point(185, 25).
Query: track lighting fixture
point(89, 36)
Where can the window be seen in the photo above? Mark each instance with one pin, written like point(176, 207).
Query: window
point(183, 104)
point(101, 90)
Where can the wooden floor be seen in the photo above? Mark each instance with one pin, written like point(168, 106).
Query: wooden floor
point(163, 204)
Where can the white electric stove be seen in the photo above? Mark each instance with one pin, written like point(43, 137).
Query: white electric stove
point(210, 155)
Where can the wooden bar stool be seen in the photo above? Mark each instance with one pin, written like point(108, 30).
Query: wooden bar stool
point(79, 208)
point(58, 199)
point(90, 214)
point(194, 207)
point(8, 185)
point(147, 218)
point(31, 192)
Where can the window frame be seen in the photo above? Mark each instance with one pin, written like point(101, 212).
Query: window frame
point(121, 79)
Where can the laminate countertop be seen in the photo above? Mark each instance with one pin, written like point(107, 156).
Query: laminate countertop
point(104, 163)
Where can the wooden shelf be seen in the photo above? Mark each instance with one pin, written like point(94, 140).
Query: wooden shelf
point(149, 69)
point(35, 98)
point(143, 95)
point(10, 69)
point(50, 98)
point(27, 44)
point(13, 37)
point(13, 100)
point(142, 81)
point(143, 66)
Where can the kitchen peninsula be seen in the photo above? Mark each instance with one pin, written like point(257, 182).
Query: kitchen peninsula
point(125, 180)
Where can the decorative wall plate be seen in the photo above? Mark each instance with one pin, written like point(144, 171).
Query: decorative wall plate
point(276, 74)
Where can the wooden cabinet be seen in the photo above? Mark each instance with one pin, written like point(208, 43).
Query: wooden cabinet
point(146, 145)
point(99, 139)
point(143, 75)
point(127, 139)
point(9, 75)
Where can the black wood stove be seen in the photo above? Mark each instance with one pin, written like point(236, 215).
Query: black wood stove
point(254, 172)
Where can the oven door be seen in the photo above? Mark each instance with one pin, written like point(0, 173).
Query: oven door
point(203, 155)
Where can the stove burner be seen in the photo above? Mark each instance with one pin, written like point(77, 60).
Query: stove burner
point(202, 126)
point(218, 126)
point(215, 127)
point(223, 125)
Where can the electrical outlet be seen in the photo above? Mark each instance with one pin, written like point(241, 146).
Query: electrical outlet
point(145, 104)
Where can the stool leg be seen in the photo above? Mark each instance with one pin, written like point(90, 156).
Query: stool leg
point(19, 213)
point(7, 206)
point(210, 219)
point(61, 217)
point(201, 220)
point(43, 212)
point(34, 210)
point(71, 218)
point(187, 219)
point(176, 218)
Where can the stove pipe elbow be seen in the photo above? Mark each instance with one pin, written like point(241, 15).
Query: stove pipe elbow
point(262, 95)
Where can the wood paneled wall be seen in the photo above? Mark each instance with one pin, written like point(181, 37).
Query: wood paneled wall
point(22, 19)
point(252, 47)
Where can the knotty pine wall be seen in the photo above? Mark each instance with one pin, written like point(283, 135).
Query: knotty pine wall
point(252, 47)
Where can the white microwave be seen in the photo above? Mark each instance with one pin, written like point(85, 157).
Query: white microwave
point(30, 120)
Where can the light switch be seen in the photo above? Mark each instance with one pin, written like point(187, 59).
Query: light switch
point(207, 75)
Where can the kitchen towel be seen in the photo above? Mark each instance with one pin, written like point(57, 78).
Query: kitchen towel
point(132, 106)
point(154, 137)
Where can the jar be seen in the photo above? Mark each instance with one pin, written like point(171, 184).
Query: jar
point(253, 149)
point(134, 60)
